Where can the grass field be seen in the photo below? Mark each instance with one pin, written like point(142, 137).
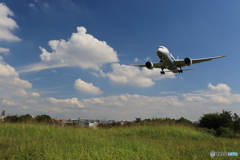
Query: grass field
point(36, 141)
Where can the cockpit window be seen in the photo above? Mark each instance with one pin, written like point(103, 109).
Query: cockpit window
point(160, 47)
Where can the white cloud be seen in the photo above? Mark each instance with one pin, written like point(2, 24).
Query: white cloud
point(218, 94)
point(10, 103)
point(81, 50)
point(73, 102)
point(39, 66)
point(31, 101)
point(146, 59)
point(40, 3)
point(4, 50)
point(7, 71)
point(168, 92)
point(20, 92)
point(9, 78)
point(132, 76)
point(54, 71)
point(223, 88)
point(7, 24)
point(219, 99)
point(32, 6)
point(17, 82)
point(136, 60)
point(87, 88)
point(194, 98)
point(94, 74)
point(126, 106)
point(24, 107)
point(35, 94)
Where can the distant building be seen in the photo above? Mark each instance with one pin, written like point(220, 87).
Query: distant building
point(108, 122)
point(2, 115)
point(196, 122)
point(85, 122)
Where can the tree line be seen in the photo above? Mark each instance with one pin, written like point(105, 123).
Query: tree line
point(27, 118)
point(223, 124)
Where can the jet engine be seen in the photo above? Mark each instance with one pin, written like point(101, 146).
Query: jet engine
point(149, 65)
point(188, 61)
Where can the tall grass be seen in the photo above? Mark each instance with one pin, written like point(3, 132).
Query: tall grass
point(36, 141)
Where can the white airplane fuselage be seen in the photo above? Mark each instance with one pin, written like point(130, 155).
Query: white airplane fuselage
point(165, 56)
point(167, 61)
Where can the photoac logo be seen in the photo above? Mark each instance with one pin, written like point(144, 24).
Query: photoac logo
point(212, 153)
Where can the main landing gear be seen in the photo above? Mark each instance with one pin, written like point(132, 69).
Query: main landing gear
point(162, 72)
point(180, 70)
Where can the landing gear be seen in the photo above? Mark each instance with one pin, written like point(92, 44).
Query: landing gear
point(180, 70)
point(162, 72)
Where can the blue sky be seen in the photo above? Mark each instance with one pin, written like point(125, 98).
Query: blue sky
point(71, 59)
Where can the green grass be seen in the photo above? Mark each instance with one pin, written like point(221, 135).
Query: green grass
point(35, 141)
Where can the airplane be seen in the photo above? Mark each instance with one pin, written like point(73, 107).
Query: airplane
point(167, 61)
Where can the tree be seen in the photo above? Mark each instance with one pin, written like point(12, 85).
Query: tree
point(236, 123)
point(211, 120)
point(183, 120)
point(25, 118)
point(217, 120)
point(226, 119)
point(137, 120)
point(225, 132)
point(11, 118)
point(43, 118)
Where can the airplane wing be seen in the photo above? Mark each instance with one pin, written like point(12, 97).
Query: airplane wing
point(181, 63)
point(155, 65)
point(182, 70)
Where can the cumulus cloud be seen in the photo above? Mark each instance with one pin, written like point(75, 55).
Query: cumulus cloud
point(219, 99)
point(35, 94)
point(217, 94)
point(9, 77)
point(17, 82)
point(10, 103)
point(81, 50)
point(86, 88)
point(7, 24)
point(127, 106)
point(222, 88)
point(194, 98)
point(73, 102)
point(133, 76)
point(4, 50)
point(20, 92)
point(7, 71)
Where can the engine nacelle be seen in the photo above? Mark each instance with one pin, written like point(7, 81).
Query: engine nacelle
point(149, 65)
point(188, 61)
